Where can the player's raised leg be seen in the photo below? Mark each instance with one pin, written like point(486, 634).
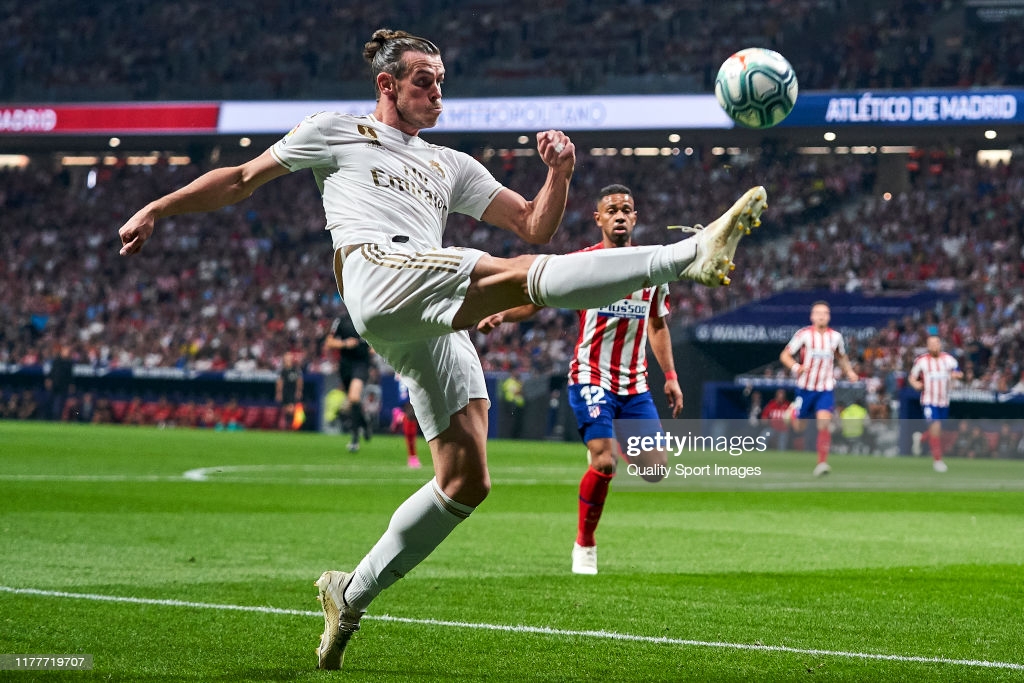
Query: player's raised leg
point(591, 279)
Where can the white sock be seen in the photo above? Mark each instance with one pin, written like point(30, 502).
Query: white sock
point(591, 279)
point(417, 527)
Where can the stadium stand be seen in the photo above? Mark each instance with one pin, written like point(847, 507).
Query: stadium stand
point(132, 50)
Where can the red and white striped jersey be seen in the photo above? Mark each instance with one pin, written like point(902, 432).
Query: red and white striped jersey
point(817, 357)
point(936, 372)
point(611, 351)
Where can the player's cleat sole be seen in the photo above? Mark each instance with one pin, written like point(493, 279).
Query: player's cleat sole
point(821, 469)
point(584, 559)
point(939, 466)
point(340, 621)
point(716, 243)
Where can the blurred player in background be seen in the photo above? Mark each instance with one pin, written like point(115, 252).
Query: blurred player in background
point(932, 374)
point(387, 195)
point(608, 370)
point(288, 390)
point(820, 347)
point(353, 372)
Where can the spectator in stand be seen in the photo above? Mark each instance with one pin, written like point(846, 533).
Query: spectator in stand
point(209, 415)
point(186, 414)
point(231, 416)
point(776, 416)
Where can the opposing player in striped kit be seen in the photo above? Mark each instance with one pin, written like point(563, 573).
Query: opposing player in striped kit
point(932, 374)
point(820, 347)
point(387, 194)
point(608, 370)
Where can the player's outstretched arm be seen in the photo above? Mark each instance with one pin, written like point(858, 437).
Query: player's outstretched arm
point(536, 221)
point(511, 315)
point(212, 190)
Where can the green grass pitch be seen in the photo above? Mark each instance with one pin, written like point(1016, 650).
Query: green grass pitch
point(190, 555)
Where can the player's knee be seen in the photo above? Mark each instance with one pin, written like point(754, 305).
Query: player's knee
point(468, 488)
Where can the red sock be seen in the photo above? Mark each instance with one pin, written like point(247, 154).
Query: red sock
point(410, 428)
point(936, 445)
point(824, 443)
point(593, 491)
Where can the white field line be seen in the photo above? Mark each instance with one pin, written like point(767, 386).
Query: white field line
point(534, 630)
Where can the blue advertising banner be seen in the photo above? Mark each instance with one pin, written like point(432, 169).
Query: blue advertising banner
point(775, 319)
point(908, 108)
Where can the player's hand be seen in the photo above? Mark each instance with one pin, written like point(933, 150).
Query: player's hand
point(852, 376)
point(136, 231)
point(674, 395)
point(556, 150)
point(491, 322)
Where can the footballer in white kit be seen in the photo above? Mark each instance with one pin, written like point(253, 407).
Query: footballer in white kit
point(386, 196)
point(392, 193)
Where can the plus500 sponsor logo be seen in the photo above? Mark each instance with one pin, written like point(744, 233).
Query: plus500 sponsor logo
point(624, 309)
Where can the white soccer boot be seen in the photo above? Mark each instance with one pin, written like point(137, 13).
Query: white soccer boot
point(716, 243)
point(584, 559)
point(939, 466)
point(821, 469)
point(340, 620)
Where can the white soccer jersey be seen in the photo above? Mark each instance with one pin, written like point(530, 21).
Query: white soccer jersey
point(817, 357)
point(936, 372)
point(611, 351)
point(379, 183)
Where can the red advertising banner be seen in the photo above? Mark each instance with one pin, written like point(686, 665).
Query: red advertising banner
point(121, 119)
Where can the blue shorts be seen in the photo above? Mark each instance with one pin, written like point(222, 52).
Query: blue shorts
point(595, 408)
point(935, 413)
point(808, 402)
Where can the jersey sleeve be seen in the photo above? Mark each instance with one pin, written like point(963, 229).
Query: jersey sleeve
point(916, 369)
point(796, 343)
point(304, 146)
point(474, 188)
point(840, 345)
point(660, 307)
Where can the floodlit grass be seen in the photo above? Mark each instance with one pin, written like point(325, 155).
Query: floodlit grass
point(835, 584)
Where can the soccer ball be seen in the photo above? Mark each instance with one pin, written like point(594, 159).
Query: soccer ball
point(756, 87)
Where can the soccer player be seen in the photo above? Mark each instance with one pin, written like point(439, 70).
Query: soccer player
point(288, 390)
point(820, 347)
point(608, 370)
point(931, 374)
point(353, 371)
point(387, 194)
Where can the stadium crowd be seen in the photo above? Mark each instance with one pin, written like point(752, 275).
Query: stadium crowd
point(239, 288)
point(54, 51)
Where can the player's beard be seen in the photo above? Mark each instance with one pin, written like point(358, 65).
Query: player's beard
point(417, 115)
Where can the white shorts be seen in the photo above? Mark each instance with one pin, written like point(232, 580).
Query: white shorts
point(403, 303)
